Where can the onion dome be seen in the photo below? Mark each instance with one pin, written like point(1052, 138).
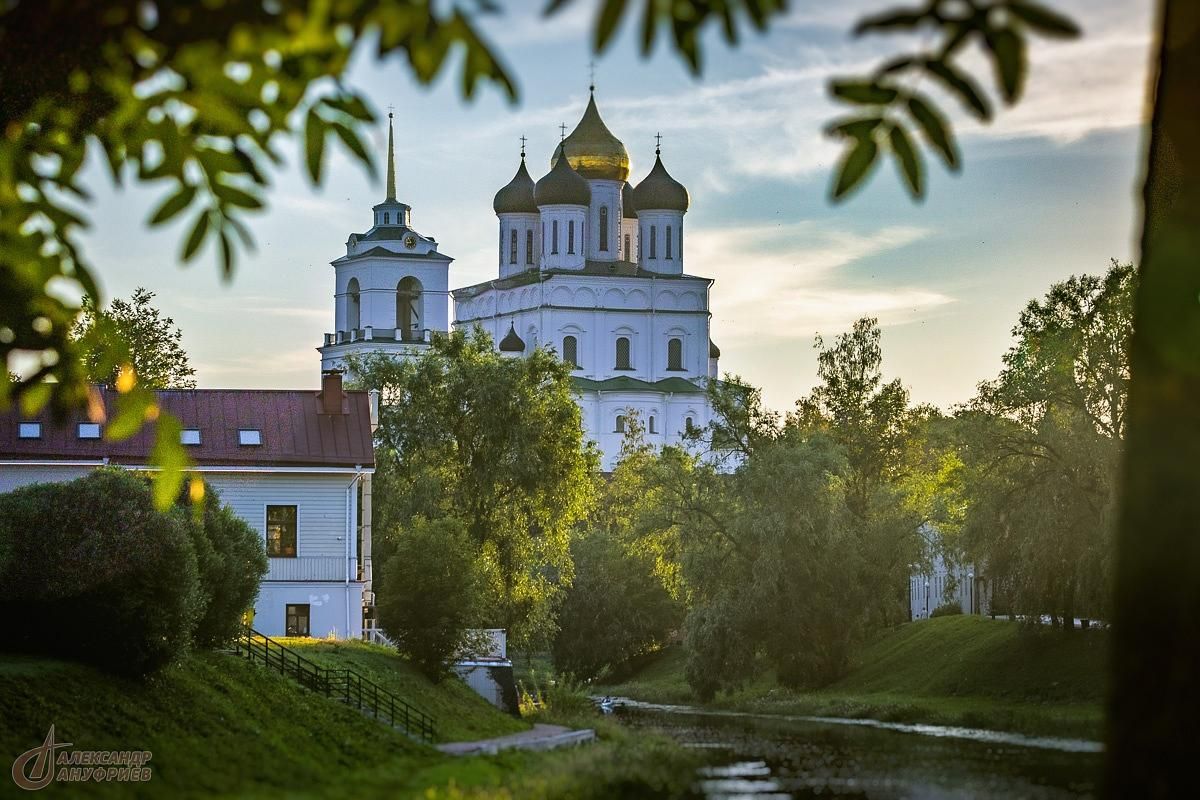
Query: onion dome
point(517, 196)
point(659, 190)
point(512, 343)
point(593, 150)
point(628, 206)
point(713, 350)
point(562, 185)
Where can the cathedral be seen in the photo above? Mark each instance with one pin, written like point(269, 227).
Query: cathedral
point(588, 264)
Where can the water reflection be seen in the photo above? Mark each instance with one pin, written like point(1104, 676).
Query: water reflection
point(758, 757)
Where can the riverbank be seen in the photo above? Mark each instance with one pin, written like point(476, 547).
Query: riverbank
point(217, 725)
point(960, 670)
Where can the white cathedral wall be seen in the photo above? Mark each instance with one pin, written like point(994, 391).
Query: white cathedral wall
point(661, 222)
point(523, 224)
point(565, 216)
point(605, 194)
point(670, 411)
point(377, 281)
point(629, 227)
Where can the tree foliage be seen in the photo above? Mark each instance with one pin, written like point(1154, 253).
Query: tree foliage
point(496, 443)
point(132, 332)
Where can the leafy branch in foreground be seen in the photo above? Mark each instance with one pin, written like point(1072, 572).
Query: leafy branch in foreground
point(893, 112)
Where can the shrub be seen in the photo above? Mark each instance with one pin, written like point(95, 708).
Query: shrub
point(430, 593)
point(232, 563)
point(946, 610)
point(94, 572)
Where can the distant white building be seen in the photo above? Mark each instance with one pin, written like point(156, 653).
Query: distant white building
point(292, 464)
point(942, 584)
point(588, 264)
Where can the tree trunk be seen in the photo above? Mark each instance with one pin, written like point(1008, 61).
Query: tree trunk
point(1153, 729)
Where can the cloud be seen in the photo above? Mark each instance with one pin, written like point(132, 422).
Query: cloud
point(783, 282)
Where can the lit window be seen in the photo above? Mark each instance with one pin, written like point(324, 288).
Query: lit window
point(189, 436)
point(675, 354)
point(604, 228)
point(29, 430)
point(250, 436)
point(89, 430)
point(281, 531)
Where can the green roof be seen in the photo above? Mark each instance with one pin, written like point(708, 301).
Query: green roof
point(627, 384)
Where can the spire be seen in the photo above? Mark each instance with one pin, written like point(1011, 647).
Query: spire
point(391, 176)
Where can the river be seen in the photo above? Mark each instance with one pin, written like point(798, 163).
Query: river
point(763, 756)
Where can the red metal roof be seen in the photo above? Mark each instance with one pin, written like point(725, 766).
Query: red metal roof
point(294, 431)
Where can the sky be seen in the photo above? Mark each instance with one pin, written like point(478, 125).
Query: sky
point(1049, 189)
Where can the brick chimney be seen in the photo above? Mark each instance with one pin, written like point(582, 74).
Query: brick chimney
point(331, 392)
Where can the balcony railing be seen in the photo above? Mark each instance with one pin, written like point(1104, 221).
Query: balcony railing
point(370, 334)
point(313, 568)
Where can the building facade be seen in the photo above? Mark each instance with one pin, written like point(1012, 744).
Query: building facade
point(588, 264)
point(292, 464)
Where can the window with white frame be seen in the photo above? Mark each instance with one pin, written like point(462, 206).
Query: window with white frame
point(281, 531)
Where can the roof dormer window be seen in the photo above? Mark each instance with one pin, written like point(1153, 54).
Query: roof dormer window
point(190, 436)
point(89, 430)
point(249, 437)
point(29, 430)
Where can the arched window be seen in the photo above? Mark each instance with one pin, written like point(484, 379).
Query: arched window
point(408, 309)
point(653, 241)
point(667, 241)
point(628, 248)
point(387, 218)
point(652, 428)
point(529, 246)
point(604, 228)
point(620, 423)
point(571, 236)
point(512, 248)
point(675, 354)
point(623, 361)
point(554, 236)
point(570, 351)
point(689, 425)
point(352, 306)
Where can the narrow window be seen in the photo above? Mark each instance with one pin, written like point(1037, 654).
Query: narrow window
point(689, 425)
point(554, 236)
point(640, 247)
point(352, 306)
point(653, 242)
point(667, 241)
point(628, 248)
point(620, 423)
point(623, 353)
point(604, 229)
point(571, 236)
point(89, 430)
point(189, 436)
point(387, 218)
point(529, 246)
point(570, 351)
point(675, 354)
point(297, 621)
point(408, 309)
point(29, 430)
point(512, 248)
point(281, 531)
point(652, 428)
point(681, 244)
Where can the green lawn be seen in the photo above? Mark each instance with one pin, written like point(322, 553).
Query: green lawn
point(220, 726)
point(959, 670)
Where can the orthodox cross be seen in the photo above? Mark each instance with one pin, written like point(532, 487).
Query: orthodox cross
point(592, 76)
point(563, 131)
point(658, 144)
point(523, 140)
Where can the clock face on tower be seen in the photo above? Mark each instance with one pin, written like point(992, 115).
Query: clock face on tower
point(410, 241)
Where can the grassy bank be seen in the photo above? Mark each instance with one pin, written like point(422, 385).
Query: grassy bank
point(960, 670)
point(217, 725)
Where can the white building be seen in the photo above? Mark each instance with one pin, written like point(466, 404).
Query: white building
point(292, 464)
point(588, 264)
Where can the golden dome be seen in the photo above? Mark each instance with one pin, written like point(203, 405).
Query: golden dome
point(593, 150)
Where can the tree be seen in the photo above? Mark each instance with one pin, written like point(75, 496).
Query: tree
point(496, 443)
point(431, 594)
point(1042, 442)
point(136, 333)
